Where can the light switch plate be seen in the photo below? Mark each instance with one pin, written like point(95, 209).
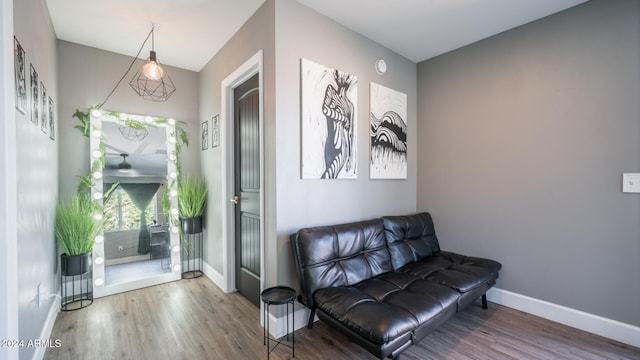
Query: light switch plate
point(631, 183)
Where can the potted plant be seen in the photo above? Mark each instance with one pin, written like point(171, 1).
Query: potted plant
point(192, 199)
point(75, 229)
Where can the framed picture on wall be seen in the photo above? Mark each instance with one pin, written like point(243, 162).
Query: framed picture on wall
point(52, 125)
point(35, 103)
point(388, 133)
point(44, 111)
point(19, 59)
point(329, 98)
point(205, 135)
point(215, 131)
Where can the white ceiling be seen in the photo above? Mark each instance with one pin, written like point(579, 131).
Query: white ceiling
point(422, 29)
point(189, 32)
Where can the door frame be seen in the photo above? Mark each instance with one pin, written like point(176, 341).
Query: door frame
point(252, 66)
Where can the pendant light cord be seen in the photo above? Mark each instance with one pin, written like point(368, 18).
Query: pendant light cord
point(129, 69)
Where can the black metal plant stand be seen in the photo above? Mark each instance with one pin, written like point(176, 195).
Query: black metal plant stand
point(192, 250)
point(279, 295)
point(192, 255)
point(76, 289)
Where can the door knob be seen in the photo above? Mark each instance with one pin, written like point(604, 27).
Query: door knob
point(235, 200)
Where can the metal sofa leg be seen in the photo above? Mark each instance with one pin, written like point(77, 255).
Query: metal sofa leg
point(312, 315)
point(484, 301)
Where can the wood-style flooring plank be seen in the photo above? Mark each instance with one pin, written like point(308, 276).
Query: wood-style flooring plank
point(193, 319)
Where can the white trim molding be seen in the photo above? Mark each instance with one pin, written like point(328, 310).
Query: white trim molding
point(252, 66)
point(47, 329)
point(216, 278)
point(611, 329)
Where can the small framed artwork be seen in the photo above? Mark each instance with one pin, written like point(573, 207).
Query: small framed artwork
point(35, 104)
point(52, 126)
point(44, 111)
point(20, 76)
point(215, 123)
point(205, 135)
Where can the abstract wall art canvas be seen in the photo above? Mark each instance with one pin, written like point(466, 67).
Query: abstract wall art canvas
point(35, 104)
point(215, 131)
point(52, 122)
point(388, 133)
point(20, 76)
point(328, 122)
point(205, 135)
point(44, 111)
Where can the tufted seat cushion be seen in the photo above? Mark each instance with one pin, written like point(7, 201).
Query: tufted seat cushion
point(388, 306)
point(459, 272)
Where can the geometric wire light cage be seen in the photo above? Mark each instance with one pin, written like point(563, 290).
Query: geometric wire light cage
point(151, 89)
point(151, 82)
point(133, 134)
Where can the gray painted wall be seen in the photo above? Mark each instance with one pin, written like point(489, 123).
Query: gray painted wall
point(287, 31)
point(256, 34)
point(524, 138)
point(37, 177)
point(87, 75)
point(304, 33)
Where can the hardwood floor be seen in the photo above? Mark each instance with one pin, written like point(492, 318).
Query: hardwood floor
point(193, 319)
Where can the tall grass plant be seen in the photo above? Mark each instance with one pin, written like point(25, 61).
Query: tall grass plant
point(192, 195)
point(75, 225)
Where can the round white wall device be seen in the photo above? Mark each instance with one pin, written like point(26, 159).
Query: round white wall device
point(381, 66)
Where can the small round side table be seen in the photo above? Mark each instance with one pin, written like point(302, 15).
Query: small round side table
point(278, 295)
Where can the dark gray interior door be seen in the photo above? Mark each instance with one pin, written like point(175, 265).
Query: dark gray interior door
point(247, 189)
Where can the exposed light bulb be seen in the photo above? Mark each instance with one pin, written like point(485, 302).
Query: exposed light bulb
point(97, 175)
point(176, 267)
point(151, 69)
point(173, 193)
point(99, 260)
point(97, 195)
point(175, 249)
point(99, 281)
point(99, 239)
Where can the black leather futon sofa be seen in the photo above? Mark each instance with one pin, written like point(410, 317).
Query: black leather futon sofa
point(384, 282)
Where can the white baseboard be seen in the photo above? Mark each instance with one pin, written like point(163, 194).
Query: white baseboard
point(54, 308)
point(612, 329)
point(214, 276)
point(278, 325)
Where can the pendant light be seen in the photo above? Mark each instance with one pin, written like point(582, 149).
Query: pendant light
point(124, 166)
point(151, 81)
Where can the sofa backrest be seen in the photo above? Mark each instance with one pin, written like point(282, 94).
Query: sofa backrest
point(339, 255)
point(410, 238)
